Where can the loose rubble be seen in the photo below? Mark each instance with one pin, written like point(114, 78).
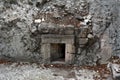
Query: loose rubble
point(32, 71)
point(28, 71)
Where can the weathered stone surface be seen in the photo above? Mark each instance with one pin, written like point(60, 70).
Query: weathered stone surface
point(90, 36)
point(46, 47)
point(83, 41)
point(20, 33)
point(83, 32)
point(115, 70)
point(81, 46)
point(69, 31)
point(57, 39)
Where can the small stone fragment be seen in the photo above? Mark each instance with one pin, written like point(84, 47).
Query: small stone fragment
point(90, 36)
point(38, 21)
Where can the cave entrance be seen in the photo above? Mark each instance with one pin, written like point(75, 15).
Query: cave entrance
point(57, 52)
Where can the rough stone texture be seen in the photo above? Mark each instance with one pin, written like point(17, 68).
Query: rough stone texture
point(115, 70)
point(22, 22)
point(46, 42)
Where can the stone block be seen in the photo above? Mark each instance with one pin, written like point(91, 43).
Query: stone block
point(69, 31)
point(79, 50)
point(51, 38)
point(38, 21)
point(82, 35)
point(83, 41)
point(90, 36)
point(81, 45)
point(83, 32)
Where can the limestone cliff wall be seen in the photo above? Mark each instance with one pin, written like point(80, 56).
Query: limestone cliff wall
point(95, 24)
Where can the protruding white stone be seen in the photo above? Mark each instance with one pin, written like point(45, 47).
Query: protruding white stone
point(86, 21)
point(89, 17)
point(38, 21)
point(83, 23)
point(90, 36)
point(43, 19)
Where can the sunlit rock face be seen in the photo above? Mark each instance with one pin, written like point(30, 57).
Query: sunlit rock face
point(94, 25)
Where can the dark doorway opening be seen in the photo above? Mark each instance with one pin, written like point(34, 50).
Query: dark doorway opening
point(57, 52)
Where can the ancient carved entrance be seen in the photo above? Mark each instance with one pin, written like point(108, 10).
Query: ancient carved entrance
point(58, 47)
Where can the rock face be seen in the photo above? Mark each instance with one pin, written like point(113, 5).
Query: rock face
point(93, 23)
point(115, 70)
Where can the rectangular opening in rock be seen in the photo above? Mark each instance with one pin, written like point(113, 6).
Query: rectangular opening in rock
point(57, 48)
point(57, 52)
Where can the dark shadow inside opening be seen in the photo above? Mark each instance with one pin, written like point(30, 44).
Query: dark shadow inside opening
point(57, 52)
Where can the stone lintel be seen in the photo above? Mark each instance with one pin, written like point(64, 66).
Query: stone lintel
point(51, 38)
